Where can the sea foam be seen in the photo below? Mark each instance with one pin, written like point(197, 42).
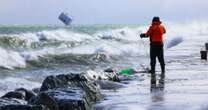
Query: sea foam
point(123, 42)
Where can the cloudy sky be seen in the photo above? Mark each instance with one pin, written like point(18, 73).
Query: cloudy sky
point(101, 11)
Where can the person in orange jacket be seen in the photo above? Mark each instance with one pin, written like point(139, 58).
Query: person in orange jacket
point(155, 34)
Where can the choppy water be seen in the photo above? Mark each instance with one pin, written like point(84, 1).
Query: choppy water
point(30, 53)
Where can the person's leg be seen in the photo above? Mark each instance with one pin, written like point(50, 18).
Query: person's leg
point(153, 63)
point(162, 64)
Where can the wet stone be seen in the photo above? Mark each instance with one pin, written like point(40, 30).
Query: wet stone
point(44, 99)
point(23, 107)
point(70, 81)
point(64, 99)
point(17, 104)
point(11, 101)
point(15, 94)
point(20, 93)
point(36, 90)
point(28, 93)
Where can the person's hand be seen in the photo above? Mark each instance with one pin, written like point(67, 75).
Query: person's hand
point(142, 35)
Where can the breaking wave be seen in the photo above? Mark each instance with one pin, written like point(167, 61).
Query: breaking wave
point(67, 46)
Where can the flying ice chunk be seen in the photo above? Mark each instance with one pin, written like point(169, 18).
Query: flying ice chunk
point(64, 17)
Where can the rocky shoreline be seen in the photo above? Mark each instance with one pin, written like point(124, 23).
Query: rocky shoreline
point(62, 92)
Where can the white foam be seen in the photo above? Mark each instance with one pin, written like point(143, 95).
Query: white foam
point(64, 35)
point(127, 34)
point(53, 35)
point(124, 42)
point(11, 59)
point(12, 83)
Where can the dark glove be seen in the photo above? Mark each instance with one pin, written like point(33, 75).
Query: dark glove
point(142, 35)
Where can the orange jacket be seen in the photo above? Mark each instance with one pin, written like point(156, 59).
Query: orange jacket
point(155, 32)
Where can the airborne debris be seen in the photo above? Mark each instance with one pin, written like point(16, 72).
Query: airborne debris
point(65, 18)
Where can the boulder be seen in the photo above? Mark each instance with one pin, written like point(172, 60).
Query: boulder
point(73, 91)
point(62, 92)
point(63, 99)
point(44, 99)
point(67, 92)
point(17, 104)
point(15, 94)
point(109, 70)
point(36, 90)
point(20, 93)
point(23, 107)
point(28, 93)
point(70, 81)
point(11, 101)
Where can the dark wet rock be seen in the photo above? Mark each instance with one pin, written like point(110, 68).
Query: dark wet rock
point(15, 94)
point(28, 93)
point(108, 85)
point(67, 92)
point(109, 70)
point(17, 104)
point(23, 107)
point(64, 99)
point(36, 90)
point(11, 101)
point(61, 92)
point(20, 93)
point(70, 81)
point(46, 100)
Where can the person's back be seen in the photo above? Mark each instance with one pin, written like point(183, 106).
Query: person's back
point(156, 31)
point(155, 34)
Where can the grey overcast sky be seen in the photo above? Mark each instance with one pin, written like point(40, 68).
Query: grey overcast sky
point(100, 11)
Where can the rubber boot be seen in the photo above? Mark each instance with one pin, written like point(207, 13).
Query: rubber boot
point(153, 76)
point(162, 77)
point(162, 68)
point(153, 81)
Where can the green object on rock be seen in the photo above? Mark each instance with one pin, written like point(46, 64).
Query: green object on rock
point(128, 71)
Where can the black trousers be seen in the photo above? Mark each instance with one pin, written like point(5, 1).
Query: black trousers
point(156, 51)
